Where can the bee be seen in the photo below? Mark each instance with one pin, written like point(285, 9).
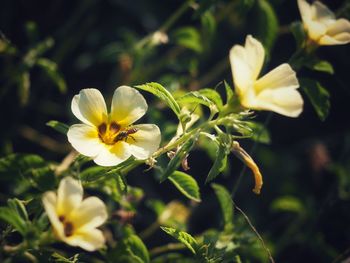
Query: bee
point(124, 135)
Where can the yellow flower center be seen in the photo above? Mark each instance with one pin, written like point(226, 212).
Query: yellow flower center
point(112, 133)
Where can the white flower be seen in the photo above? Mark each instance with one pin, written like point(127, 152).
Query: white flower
point(276, 91)
point(110, 138)
point(321, 24)
point(73, 219)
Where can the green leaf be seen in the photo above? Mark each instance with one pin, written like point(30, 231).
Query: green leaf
point(61, 259)
point(58, 126)
point(177, 159)
point(188, 37)
point(212, 95)
point(137, 248)
point(259, 132)
point(197, 97)
point(186, 184)
point(163, 94)
point(229, 92)
point(208, 28)
point(226, 205)
point(265, 23)
point(287, 204)
point(298, 32)
point(320, 65)
point(18, 206)
point(50, 68)
point(219, 163)
point(318, 96)
point(11, 217)
point(183, 237)
point(94, 173)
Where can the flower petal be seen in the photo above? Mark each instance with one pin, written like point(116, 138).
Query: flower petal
point(90, 107)
point(89, 240)
point(84, 138)
point(321, 13)
point(246, 63)
point(69, 196)
point(305, 10)
point(91, 213)
point(282, 76)
point(145, 141)
point(128, 105)
point(340, 26)
point(340, 39)
point(50, 204)
point(276, 91)
point(113, 155)
point(285, 101)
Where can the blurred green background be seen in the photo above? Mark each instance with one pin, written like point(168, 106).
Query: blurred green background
point(50, 50)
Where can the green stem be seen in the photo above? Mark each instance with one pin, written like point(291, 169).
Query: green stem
point(166, 248)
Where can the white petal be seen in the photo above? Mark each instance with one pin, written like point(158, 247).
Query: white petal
point(89, 240)
point(128, 105)
point(145, 141)
point(340, 26)
point(69, 196)
point(282, 76)
point(340, 39)
point(316, 30)
point(84, 138)
point(305, 10)
point(285, 101)
point(321, 13)
point(246, 63)
point(90, 214)
point(90, 107)
point(50, 204)
point(113, 155)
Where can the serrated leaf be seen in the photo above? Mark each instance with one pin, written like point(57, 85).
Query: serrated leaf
point(265, 23)
point(137, 248)
point(11, 217)
point(50, 68)
point(177, 159)
point(259, 132)
point(197, 97)
point(298, 32)
point(61, 259)
point(186, 184)
point(188, 37)
point(320, 65)
point(212, 95)
point(183, 237)
point(318, 96)
point(163, 94)
point(219, 163)
point(226, 205)
point(58, 126)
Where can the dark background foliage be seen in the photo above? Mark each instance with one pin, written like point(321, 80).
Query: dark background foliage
point(303, 212)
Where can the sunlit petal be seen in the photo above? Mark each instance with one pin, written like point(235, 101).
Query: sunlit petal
point(89, 240)
point(145, 141)
point(69, 195)
point(339, 39)
point(321, 13)
point(128, 105)
point(90, 214)
point(246, 63)
point(90, 107)
point(113, 155)
point(282, 76)
point(50, 204)
point(84, 138)
point(305, 10)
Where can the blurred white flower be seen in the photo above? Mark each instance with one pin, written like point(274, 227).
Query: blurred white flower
point(276, 91)
point(110, 138)
point(73, 219)
point(321, 24)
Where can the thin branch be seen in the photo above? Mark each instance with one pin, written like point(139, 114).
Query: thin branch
point(166, 248)
point(256, 232)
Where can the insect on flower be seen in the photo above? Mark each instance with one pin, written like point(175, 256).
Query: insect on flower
point(112, 137)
